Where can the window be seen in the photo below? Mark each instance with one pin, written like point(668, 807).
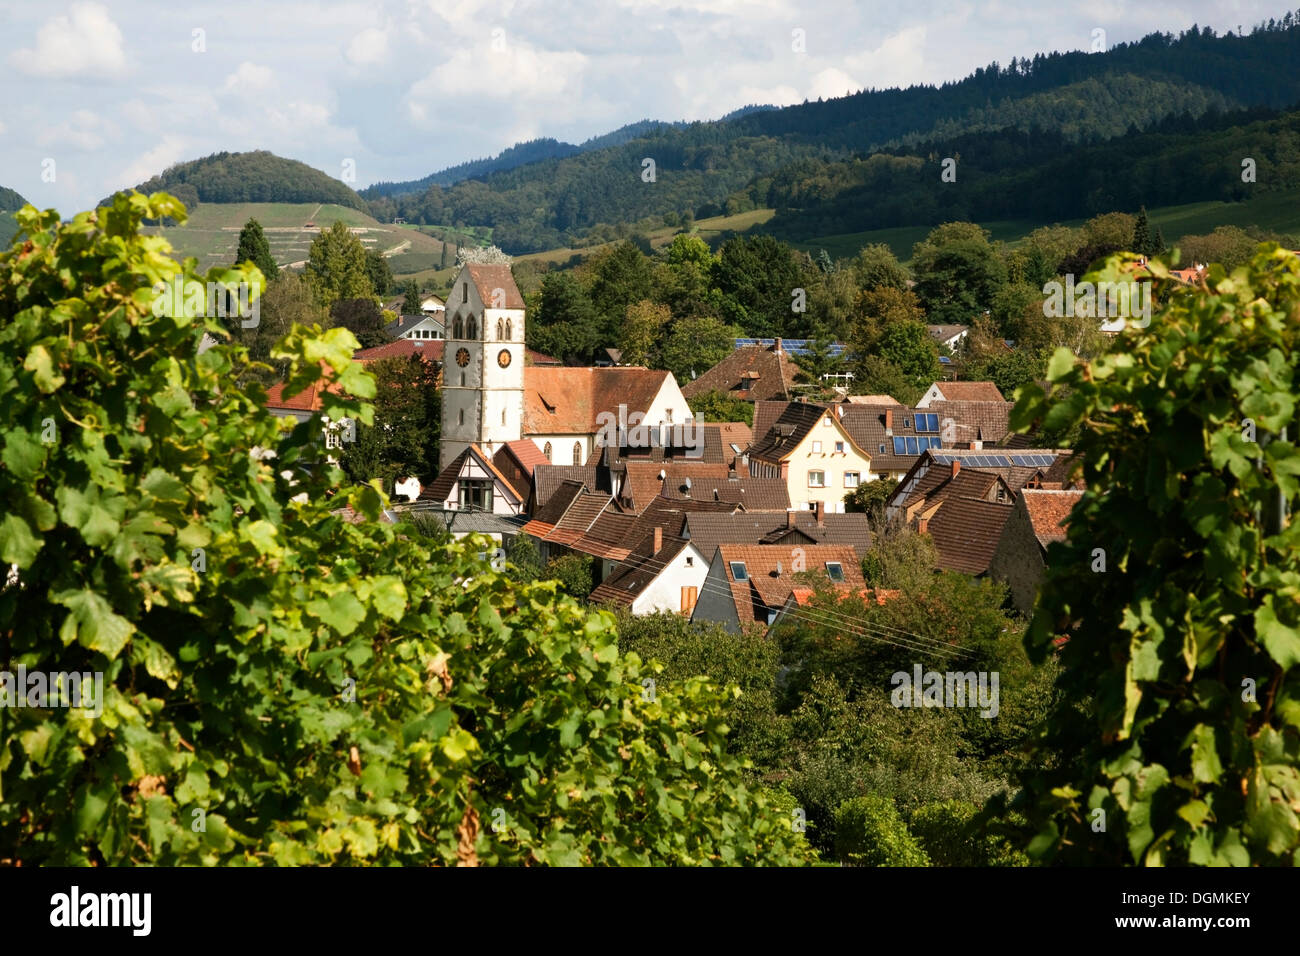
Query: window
point(476, 493)
point(690, 562)
point(826, 422)
point(1002, 494)
point(503, 416)
point(471, 328)
point(332, 438)
point(817, 448)
point(900, 448)
point(738, 571)
point(501, 329)
point(547, 451)
point(462, 416)
point(882, 449)
point(457, 328)
point(509, 333)
point(851, 479)
point(669, 413)
point(689, 596)
point(839, 448)
point(577, 453)
point(907, 422)
point(464, 292)
point(462, 379)
point(835, 570)
point(816, 479)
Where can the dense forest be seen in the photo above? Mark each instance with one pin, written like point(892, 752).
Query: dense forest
point(10, 201)
point(258, 176)
point(998, 177)
point(1065, 101)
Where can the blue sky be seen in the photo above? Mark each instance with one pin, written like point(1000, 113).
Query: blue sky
point(113, 92)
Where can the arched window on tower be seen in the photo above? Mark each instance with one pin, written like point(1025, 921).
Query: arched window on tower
point(547, 451)
point(471, 331)
point(577, 453)
point(501, 330)
point(456, 328)
point(509, 333)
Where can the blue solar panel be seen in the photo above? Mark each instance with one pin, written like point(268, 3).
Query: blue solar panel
point(912, 449)
point(899, 448)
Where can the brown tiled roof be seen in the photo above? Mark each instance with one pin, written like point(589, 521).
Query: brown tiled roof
point(635, 574)
point(488, 278)
point(766, 589)
point(556, 504)
point(866, 425)
point(641, 482)
point(696, 442)
point(966, 533)
point(566, 401)
point(943, 332)
point(938, 484)
point(768, 372)
point(791, 428)
point(970, 392)
point(1048, 512)
point(708, 531)
point(308, 400)
point(755, 494)
point(985, 422)
point(547, 479)
point(765, 416)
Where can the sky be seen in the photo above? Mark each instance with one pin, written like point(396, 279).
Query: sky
point(104, 95)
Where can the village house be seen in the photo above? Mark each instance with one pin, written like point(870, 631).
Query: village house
point(752, 373)
point(1020, 558)
point(809, 449)
point(960, 392)
point(748, 585)
point(661, 574)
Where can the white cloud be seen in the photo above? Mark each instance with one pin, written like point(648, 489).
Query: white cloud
point(518, 73)
point(150, 163)
point(85, 44)
point(249, 78)
point(80, 131)
point(368, 47)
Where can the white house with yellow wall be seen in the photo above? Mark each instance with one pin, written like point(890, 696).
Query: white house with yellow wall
point(809, 448)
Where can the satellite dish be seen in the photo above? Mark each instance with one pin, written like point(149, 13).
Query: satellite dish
point(687, 484)
point(778, 569)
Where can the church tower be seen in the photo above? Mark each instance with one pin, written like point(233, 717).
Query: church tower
point(483, 362)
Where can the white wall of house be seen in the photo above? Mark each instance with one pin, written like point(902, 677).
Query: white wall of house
point(688, 568)
point(503, 500)
point(562, 446)
point(932, 394)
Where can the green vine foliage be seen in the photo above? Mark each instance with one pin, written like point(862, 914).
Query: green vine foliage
point(1177, 735)
point(283, 686)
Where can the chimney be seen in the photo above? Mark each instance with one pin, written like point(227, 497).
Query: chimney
point(889, 421)
point(956, 466)
point(923, 526)
point(819, 509)
point(777, 346)
point(659, 540)
point(790, 519)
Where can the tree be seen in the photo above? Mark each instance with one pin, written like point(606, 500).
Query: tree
point(287, 301)
point(641, 330)
point(411, 297)
point(1143, 242)
point(565, 322)
point(717, 407)
point(877, 376)
point(254, 248)
point(877, 307)
point(910, 349)
point(869, 498)
point(620, 278)
point(684, 279)
point(696, 345)
point(572, 573)
point(363, 318)
point(758, 278)
point(403, 441)
point(379, 272)
point(384, 684)
point(1177, 712)
point(958, 272)
point(484, 255)
point(870, 832)
point(876, 266)
point(336, 263)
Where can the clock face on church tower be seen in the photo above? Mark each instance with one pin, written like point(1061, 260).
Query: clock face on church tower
point(503, 358)
point(462, 357)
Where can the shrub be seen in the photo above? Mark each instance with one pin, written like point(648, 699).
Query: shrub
point(870, 832)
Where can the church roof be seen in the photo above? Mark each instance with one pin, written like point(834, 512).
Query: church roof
point(567, 401)
point(487, 279)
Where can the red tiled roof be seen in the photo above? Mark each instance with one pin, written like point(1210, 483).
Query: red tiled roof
point(766, 588)
point(970, 392)
point(1048, 512)
point(428, 349)
point(526, 453)
point(566, 401)
point(488, 278)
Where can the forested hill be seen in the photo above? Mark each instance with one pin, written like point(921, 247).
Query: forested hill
point(250, 177)
point(521, 154)
point(1081, 98)
point(10, 201)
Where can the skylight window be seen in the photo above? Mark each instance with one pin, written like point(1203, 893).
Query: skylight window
point(738, 571)
point(835, 570)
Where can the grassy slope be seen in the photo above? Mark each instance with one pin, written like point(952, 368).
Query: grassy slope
point(212, 234)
